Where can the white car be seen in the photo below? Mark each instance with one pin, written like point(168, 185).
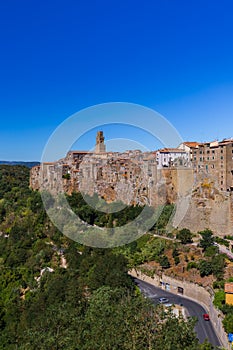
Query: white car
point(163, 300)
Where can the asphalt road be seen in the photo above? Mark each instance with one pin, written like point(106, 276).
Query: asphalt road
point(204, 329)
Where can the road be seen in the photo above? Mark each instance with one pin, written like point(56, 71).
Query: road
point(225, 250)
point(204, 329)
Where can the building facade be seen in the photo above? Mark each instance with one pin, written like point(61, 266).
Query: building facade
point(214, 160)
point(101, 171)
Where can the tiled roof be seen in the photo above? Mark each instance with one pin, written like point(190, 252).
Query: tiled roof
point(228, 288)
point(191, 143)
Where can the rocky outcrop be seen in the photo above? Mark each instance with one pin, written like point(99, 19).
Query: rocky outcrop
point(209, 208)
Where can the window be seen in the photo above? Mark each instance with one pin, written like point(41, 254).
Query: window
point(213, 151)
point(221, 157)
point(212, 157)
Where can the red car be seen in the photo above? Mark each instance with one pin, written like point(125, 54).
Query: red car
point(206, 317)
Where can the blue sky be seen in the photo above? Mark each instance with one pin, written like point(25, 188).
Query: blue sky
point(58, 57)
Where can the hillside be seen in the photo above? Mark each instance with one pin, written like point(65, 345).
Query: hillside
point(57, 294)
point(27, 164)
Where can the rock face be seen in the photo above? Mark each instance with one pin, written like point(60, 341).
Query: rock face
point(209, 208)
point(134, 178)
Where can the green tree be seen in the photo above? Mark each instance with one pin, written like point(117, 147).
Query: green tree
point(206, 346)
point(218, 266)
point(219, 298)
point(164, 262)
point(205, 268)
point(207, 239)
point(211, 251)
point(185, 236)
point(228, 323)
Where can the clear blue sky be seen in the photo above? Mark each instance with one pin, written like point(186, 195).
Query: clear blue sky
point(58, 57)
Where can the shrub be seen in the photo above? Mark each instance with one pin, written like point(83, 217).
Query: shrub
point(185, 236)
point(192, 265)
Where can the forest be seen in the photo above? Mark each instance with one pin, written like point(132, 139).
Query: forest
point(58, 294)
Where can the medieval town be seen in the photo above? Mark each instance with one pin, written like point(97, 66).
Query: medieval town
point(202, 172)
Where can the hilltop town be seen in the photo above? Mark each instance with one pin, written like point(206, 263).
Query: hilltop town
point(200, 174)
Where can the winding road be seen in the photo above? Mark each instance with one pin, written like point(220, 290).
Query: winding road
point(204, 329)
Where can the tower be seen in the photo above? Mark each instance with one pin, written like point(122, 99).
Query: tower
point(100, 146)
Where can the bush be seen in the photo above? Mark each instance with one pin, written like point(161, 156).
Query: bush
point(164, 262)
point(205, 268)
point(219, 299)
point(185, 236)
point(228, 323)
point(218, 265)
point(221, 241)
point(207, 239)
point(219, 284)
point(192, 265)
point(211, 251)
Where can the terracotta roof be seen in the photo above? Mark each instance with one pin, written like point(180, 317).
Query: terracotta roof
point(191, 143)
point(228, 288)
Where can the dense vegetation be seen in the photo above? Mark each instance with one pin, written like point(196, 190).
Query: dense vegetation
point(57, 294)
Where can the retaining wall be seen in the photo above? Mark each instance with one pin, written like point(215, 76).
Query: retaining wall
point(191, 291)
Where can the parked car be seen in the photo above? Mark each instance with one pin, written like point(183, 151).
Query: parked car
point(163, 300)
point(206, 317)
point(168, 305)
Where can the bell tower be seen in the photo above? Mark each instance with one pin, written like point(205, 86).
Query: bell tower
point(100, 146)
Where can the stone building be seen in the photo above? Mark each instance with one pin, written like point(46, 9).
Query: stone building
point(211, 162)
point(172, 157)
point(197, 176)
point(100, 146)
point(186, 146)
point(214, 161)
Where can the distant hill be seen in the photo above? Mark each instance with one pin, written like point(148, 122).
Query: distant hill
point(27, 164)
